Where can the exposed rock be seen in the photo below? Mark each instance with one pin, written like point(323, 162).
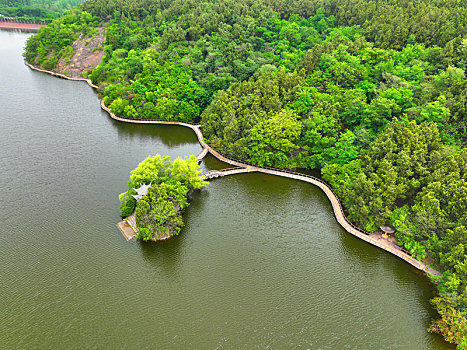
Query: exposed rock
point(88, 55)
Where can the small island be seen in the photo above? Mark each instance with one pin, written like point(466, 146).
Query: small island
point(157, 193)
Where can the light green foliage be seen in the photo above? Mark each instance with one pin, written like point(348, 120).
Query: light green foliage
point(434, 111)
point(151, 170)
point(158, 214)
point(344, 150)
point(54, 41)
point(352, 91)
point(272, 142)
point(319, 137)
point(463, 345)
point(179, 81)
point(158, 89)
point(187, 172)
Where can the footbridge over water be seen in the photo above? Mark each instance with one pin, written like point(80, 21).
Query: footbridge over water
point(224, 172)
point(202, 154)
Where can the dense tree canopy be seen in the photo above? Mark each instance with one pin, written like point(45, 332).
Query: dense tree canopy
point(36, 9)
point(54, 41)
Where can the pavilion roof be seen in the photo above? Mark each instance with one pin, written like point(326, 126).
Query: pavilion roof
point(387, 229)
point(141, 191)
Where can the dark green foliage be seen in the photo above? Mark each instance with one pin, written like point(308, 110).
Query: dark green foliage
point(158, 215)
point(342, 97)
point(452, 323)
point(172, 70)
point(249, 120)
point(394, 168)
point(395, 23)
point(409, 179)
point(388, 23)
point(36, 10)
point(127, 207)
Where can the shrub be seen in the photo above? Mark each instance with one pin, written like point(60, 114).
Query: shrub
point(128, 206)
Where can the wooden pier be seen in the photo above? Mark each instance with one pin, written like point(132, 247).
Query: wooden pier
point(224, 172)
point(202, 154)
point(128, 228)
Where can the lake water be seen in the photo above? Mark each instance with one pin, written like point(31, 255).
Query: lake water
point(261, 264)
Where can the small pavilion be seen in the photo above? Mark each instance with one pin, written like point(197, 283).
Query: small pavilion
point(387, 230)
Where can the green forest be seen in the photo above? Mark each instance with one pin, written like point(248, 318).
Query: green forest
point(158, 214)
point(36, 10)
point(371, 93)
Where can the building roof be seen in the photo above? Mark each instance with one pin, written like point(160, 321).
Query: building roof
point(141, 191)
point(387, 229)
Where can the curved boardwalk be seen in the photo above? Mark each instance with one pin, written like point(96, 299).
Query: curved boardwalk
point(244, 167)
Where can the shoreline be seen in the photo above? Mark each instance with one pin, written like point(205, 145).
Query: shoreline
point(326, 188)
point(59, 75)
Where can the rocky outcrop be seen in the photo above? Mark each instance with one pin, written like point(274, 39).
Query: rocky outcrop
point(88, 54)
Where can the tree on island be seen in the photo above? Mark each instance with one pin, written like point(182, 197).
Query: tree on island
point(158, 213)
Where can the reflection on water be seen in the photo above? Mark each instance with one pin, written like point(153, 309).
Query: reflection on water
point(165, 256)
point(169, 135)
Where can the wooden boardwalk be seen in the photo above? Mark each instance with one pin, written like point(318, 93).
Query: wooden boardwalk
point(243, 167)
point(62, 75)
point(202, 154)
point(128, 227)
point(336, 205)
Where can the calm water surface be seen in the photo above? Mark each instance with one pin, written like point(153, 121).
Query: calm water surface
point(261, 263)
